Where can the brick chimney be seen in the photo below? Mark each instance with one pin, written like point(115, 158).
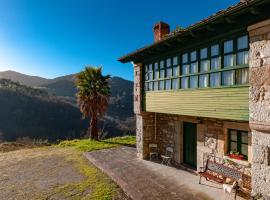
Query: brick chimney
point(161, 29)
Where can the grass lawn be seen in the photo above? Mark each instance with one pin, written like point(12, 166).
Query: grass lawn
point(91, 145)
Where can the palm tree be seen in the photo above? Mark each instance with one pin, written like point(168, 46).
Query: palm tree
point(93, 96)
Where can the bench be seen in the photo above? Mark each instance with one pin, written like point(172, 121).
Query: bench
point(218, 173)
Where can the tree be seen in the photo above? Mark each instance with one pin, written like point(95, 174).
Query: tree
point(93, 96)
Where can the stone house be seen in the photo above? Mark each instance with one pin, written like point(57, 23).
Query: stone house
point(205, 89)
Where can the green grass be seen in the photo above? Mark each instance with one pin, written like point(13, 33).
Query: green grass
point(91, 145)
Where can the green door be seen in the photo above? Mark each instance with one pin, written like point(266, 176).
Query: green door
point(190, 144)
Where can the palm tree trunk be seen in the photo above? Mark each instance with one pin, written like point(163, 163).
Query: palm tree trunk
point(94, 127)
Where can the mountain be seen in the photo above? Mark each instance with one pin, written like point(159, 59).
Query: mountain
point(23, 79)
point(119, 119)
point(35, 113)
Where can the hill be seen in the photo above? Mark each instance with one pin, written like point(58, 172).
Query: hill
point(119, 120)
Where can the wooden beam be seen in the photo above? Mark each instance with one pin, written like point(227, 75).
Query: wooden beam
point(167, 44)
point(230, 20)
point(254, 11)
point(211, 28)
point(192, 34)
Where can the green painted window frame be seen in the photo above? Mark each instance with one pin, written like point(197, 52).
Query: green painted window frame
point(239, 141)
point(198, 60)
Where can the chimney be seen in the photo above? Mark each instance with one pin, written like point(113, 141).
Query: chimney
point(161, 29)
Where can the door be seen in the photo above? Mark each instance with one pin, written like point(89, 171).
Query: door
point(190, 144)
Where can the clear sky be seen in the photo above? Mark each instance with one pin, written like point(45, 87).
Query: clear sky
point(51, 38)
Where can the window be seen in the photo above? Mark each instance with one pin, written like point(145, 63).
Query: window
point(238, 142)
point(221, 64)
point(194, 82)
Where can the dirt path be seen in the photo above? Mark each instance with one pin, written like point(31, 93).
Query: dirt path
point(53, 173)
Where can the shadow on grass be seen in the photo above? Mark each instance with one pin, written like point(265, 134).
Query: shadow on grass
point(121, 144)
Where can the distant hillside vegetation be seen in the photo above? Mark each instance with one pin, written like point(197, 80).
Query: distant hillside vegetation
point(36, 114)
point(119, 120)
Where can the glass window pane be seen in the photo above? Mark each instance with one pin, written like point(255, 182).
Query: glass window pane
point(203, 53)
point(228, 46)
point(150, 86)
point(162, 73)
point(228, 60)
point(233, 135)
point(146, 76)
point(215, 50)
point(156, 85)
point(242, 58)
point(169, 62)
point(242, 42)
point(227, 78)
point(161, 85)
point(185, 58)
point(175, 60)
point(156, 66)
point(176, 71)
point(146, 86)
point(203, 81)
point(161, 64)
point(194, 68)
point(193, 81)
point(215, 63)
point(150, 68)
point(146, 68)
point(204, 66)
point(184, 82)
point(175, 83)
point(241, 76)
point(233, 146)
point(156, 74)
point(244, 149)
point(215, 79)
point(168, 84)
point(169, 72)
point(193, 56)
point(185, 69)
point(150, 75)
point(244, 137)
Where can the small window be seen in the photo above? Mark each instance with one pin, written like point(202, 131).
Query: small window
point(156, 85)
point(194, 82)
point(175, 60)
point(194, 68)
point(227, 78)
point(150, 86)
point(203, 53)
point(161, 85)
point(228, 46)
point(241, 76)
point(156, 74)
point(215, 79)
point(215, 63)
point(242, 58)
point(156, 66)
point(204, 66)
point(175, 83)
point(242, 42)
point(184, 82)
point(169, 72)
point(193, 56)
point(238, 142)
point(185, 58)
point(162, 73)
point(168, 84)
point(169, 62)
point(146, 86)
point(176, 71)
point(215, 50)
point(203, 81)
point(161, 64)
point(185, 69)
point(229, 60)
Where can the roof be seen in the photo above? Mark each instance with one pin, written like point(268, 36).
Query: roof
point(175, 36)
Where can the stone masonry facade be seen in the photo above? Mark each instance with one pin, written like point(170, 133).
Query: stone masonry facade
point(259, 105)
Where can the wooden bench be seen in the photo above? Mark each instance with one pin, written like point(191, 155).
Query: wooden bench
point(218, 173)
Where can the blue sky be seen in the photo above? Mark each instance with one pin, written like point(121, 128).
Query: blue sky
point(51, 38)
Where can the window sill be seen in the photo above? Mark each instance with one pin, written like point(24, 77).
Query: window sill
point(241, 162)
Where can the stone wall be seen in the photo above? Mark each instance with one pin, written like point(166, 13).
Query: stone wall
point(259, 105)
